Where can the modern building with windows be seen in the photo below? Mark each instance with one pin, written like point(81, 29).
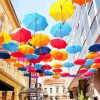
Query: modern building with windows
point(86, 31)
point(11, 80)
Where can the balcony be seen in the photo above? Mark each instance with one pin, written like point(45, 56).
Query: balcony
point(12, 72)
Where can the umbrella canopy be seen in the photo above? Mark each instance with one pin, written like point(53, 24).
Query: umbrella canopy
point(62, 10)
point(72, 75)
point(22, 35)
point(48, 73)
point(92, 55)
point(4, 55)
point(34, 61)
point(34, 76)
point(68, 64)
point(57, 65)
point(58, 43)
point(92, 70)
point(59, 55)
point(97, 60)
point(81, 2)
point(5, 38)
point(73, 49)
point(31, 56)
point(64, 74)
point(94, 48)
point(79, 61)
point(22, 69)
point(87, 74)
point(83, 70)
point(57, 70)
point(11, 59)
point(56, 76)
point(88, 62)
point(38, 66)
point(42, 50)
point(11, 46)
point(38, 40)
point(95, 65)
point(35, 22)
point(46, 67)
point(18, 65)
point(18, 54)
point(61, 30)
point(26, 49)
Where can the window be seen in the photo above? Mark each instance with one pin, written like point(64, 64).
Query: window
point(57, 89)
point(63, 89)
point(45, 90)
point(51, 90)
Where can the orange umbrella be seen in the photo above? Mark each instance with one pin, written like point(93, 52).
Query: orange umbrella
point(81, 2)
point(40, 40)
point(59, 54)
point(11, 59)
point(95, 65)
point(18, 65)
point(56, 76)
point(92, 55)
point(26, 49)
point(56, 65)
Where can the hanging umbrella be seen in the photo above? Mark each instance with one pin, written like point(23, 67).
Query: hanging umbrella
point(5, 38)
point(46, 67)
point(28, 66)
point(88, 62)
point(40, 40)
point(48, 73)
point(35, 22)
point(22, 35)
point(68, 64)
point(22, 59)
point(11, 46)
point(57, 70)
point(34, 61)
point(79, 61)
point(58, 43)
point(18, 65)
point(11, 59)
point(95, 65)
point(31, 69)
point(27, 74)
point(87, 74)
point(62, 10)
point(94, 48)
point(92, 55)
point(31, 56)
point(38, 66)
point(17, 54)
point(83, 70)
point(4, 55)
point(42, 50)
point(64, 74)
point(22, 69)
point(40, 71)
point(59, 55)
point(81, 2)
point(97, 60)
point(26, 49)
point(72, 75)
point(56, 76)
point(73, 49)
point(34, 76)
point(57, 65)
point(60, 30)
point(92, 70)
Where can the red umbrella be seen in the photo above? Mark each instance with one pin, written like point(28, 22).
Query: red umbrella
point(57, 70)
point(18, 54)
point(58, 43)
point(97, 60)
point(65, 74)
point(87, 74)
point(22, 35)
point(34, 61)
point(46, 67)
point(83, 70)
point(79, 61)
point(32, 70)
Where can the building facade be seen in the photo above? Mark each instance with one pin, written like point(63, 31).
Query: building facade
point(11, 80)
point(86, 26)
point(54, 89)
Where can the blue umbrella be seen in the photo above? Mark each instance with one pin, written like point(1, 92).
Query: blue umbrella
point(27, 74)
point(11, 46)
point(42, 50)
point(73, 49)
point(94, 48)
point(22, 69)
point(61, 30)
point(39, 71)
point(47, 72)
point(4, 55)
point(92, 70)
point(88, 62)
point(31, 56)
point(35, 22)
point(68, 64)
point(38, 66)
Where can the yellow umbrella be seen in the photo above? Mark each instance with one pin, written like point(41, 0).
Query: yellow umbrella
point(62, 10)
point(26, 49)
point(92, 55)
point(18, 65)
point(40, 40)
point(5, 37)
point(57, 65)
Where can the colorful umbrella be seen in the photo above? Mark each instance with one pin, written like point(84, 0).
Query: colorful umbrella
point(11, 46)
point(18, 65)
point(40, 40)
point(61, 30)
point(34, 76)
point(92, 70)
point(95, 65)
point(97, 60)
point(46, 67)
point(94, 48)
point(92, 55)
point(88, 62)
point(83, 70)
point(40, 71)
point(87, 74)
point(58, 43)
point(4, 55)
point(26, 49)
point(81, 2)
point(48, 73)
point(34, 61)
point(62, 10)
point(64, 74)
point(31, 56)
point(59, 55)
point(72, 75)
point(22, 69)
point(56, 76)
point(11, 59)
point(57, 65)
point(22, 35)
point(42, 50)
point(38, 66)
point(5, 37)
point(73, 49)
point(79, 61)
point(68, 64)
point(57, 70)
point(27, 74)
point(17, 54)
point(35, 22)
